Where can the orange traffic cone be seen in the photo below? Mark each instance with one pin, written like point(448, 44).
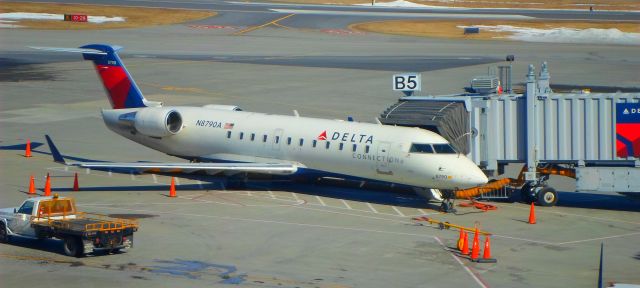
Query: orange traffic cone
point(486, 254)
point(32, 186)
point(460, 240)
point(27, 151)
point(172, 190)
point(76, 186)
point(475, 250)
point(47, 186)
point(465, 244)
point(532, 214)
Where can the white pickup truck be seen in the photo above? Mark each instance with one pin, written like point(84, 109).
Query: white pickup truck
point(57, 217)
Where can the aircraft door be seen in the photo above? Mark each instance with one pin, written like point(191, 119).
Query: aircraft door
point(382, 159)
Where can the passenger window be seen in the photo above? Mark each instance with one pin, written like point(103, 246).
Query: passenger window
point(301, 142)
point(264, 138)
point(314, 143)
point(355, 147)
point(366, 149)
point(444, 149)
point(277, 139)
point(328, 144)
point(229, 134)
point(341, 146)
point(26, 208)
point(253, 136)
point(421, 148)
point(241, 135)
point(288, 140)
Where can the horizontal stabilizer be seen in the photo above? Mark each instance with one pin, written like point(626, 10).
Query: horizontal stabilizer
point(71, 50)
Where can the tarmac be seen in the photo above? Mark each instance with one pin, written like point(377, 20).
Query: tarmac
point(282, 234)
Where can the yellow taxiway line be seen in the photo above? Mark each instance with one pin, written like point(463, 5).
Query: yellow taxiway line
point(274, 22)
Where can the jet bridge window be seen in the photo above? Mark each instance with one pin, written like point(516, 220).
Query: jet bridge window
point(421, 148)
point(444, 149)
point(26, 208)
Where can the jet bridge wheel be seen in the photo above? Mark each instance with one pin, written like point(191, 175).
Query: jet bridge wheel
point(4, 238)
point(73, 246)
point(547, 196)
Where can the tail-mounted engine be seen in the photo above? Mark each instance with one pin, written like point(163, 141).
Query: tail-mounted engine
point(154, 122)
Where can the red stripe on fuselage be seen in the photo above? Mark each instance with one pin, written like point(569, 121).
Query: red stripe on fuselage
point(116, 82)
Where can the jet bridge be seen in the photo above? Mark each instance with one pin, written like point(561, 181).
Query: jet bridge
point(596, 136)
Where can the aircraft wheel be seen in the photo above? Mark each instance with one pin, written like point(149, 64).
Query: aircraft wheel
point(547, 196)
point(73, 246)
point(4, 237)
point(525, 193)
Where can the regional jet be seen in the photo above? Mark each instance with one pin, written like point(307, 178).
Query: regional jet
point(223, 138)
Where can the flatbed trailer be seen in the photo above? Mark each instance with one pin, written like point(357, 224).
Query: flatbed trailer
point(56, 217)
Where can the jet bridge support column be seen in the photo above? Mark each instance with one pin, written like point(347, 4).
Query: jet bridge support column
point(532, 148)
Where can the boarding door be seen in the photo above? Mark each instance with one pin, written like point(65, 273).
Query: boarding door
point(382, 159)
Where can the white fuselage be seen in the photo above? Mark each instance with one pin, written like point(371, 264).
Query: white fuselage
point(363, 150)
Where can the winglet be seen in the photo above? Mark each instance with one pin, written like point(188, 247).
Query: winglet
point(57, 157)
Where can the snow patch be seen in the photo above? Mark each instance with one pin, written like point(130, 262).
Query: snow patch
point(48, 16)
point(566, 35)
point(403, 4)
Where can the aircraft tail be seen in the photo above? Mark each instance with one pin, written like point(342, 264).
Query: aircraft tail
point(118, 83)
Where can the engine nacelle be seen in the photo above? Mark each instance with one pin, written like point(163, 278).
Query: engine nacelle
point(157, 122)
point(222, 107)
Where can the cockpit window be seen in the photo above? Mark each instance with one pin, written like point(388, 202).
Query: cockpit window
point(421, 148)
point(444, 149)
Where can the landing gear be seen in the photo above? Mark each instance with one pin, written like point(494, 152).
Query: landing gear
point(447, 206)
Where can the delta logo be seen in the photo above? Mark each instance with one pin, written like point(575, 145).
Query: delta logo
point(347, 137)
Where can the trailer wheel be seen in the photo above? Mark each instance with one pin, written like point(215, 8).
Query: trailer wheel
point(73, 246)
point(4, 238)
point(547, 196)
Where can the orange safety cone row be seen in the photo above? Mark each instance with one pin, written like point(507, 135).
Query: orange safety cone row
point(460, 240)
point(32, 186)
point(475, 250)
point(532, 214)
point(27, 151)
point(172, 190)
point(76, 186)
point(465, 244)
point(47, 186)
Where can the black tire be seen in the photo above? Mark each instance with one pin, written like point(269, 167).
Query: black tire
point(525, 193)
point(73, 246)
point(547, 196)
point(4, 237)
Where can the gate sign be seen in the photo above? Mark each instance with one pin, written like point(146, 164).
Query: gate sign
point(76, 17)
point(628, 130)
point(407, 82)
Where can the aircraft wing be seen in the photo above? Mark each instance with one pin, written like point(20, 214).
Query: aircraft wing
point(150, 167)
point(189, 167)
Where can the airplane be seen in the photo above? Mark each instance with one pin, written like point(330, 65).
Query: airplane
point(224, 138)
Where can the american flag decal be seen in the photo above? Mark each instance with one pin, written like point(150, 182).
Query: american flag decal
point(228, 126)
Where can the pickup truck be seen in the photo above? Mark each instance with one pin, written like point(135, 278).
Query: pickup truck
point(57, 217)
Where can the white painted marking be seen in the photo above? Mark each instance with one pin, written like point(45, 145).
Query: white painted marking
point(473, 275)
point(295, 196)
point(110, 173)
point(87, 171)
point(199, 184)
point(155, 178)
point(133, 177)
point(66, 168)
point(397, 211)
point(600, 238)
point(347, 205)
point(401, 14)
point(177, 180)
point(249, 193)
point(272, 195)
point(422, 212)
point(371, 207)
point(321, 202)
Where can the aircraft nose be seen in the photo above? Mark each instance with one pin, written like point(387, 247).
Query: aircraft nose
point(471, 175)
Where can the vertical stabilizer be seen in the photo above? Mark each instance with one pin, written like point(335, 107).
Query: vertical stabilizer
point(118, 83)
